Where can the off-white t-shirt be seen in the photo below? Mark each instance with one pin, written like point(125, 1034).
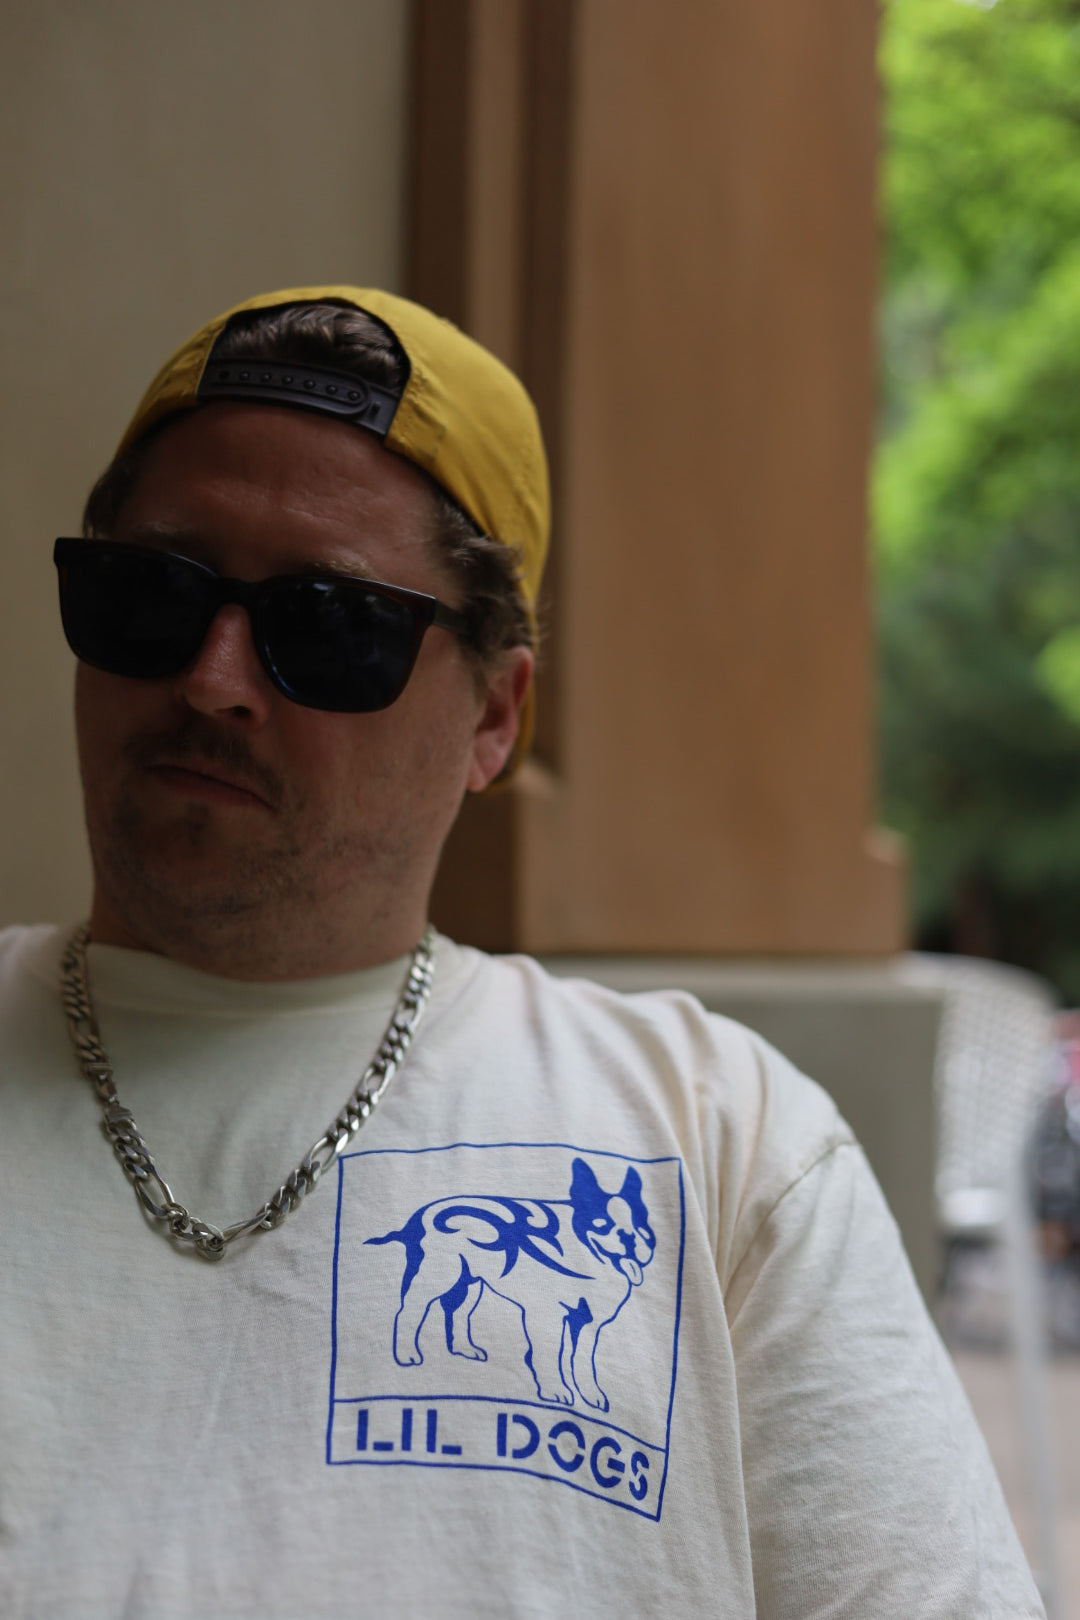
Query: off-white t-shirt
point(601, 1314)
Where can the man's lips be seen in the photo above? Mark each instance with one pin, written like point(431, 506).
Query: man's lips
point(205, 780)
point(205, 761)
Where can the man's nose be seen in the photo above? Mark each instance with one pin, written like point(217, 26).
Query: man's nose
point(226, 676)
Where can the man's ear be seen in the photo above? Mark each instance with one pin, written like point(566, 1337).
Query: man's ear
point(497, 727)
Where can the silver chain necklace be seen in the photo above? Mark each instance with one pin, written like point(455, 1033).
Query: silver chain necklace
point(153, 1191)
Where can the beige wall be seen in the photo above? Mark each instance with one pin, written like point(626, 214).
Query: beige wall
point(157, 162)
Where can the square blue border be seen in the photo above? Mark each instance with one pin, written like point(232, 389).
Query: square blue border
point(408, 1462)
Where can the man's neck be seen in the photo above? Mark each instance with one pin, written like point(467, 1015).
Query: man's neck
point(258, 950)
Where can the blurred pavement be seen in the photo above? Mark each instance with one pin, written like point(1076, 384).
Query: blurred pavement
point(973, 1316)
point(989, 1378)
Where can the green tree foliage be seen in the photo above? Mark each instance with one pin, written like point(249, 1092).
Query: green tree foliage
point(977, 482)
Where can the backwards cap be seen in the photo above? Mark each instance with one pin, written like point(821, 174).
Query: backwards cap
point(462, 416)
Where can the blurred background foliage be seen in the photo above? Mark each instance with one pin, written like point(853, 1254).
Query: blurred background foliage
point(977, 478)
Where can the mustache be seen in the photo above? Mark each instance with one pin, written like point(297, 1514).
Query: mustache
point(198, 741)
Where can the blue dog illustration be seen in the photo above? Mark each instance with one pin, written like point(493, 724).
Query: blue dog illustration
point(568, 1265)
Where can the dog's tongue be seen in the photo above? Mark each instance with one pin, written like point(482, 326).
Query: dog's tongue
point(632, 1270)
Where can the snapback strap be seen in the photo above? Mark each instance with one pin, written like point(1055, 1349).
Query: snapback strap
point(336, 393)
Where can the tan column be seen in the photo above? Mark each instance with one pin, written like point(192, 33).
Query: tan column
point(664, 216)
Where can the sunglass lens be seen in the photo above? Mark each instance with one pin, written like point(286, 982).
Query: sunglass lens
point(337, 644)
point(133, 612)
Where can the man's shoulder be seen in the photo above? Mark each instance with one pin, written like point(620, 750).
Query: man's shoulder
point(30, 1001)
point(30, 948)
point(671, 1018)
point(538, 989)
point(713, 1065)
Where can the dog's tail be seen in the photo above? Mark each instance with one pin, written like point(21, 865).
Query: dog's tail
point(391, 1237)
point(412, 1236)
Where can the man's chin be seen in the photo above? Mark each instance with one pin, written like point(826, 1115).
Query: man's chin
point(160, 904)
point(201, 869)
point(206, 830)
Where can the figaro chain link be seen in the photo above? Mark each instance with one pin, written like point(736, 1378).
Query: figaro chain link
point(153, 1191)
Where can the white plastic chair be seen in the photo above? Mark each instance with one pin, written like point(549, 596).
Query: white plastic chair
point(991, 1075)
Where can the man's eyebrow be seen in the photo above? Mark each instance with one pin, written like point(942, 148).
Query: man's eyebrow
point(154, 529)
point(201, 547)
point(192, 541)
point(353, 567)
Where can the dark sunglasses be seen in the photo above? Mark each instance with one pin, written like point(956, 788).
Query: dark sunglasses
point(327, 641)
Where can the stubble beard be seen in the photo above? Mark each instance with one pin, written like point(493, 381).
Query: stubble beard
point(247, 897)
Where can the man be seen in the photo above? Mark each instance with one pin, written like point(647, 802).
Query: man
point(580, 1302)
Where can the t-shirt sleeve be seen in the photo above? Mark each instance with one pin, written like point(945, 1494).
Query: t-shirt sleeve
point(869, 1489)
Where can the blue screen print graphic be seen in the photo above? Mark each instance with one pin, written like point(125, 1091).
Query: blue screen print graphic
point(596, 1244)
point(509, 1306)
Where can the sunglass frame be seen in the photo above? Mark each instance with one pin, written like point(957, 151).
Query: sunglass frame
point(70, 553)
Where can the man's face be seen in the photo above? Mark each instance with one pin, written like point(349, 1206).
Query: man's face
point(230, 827)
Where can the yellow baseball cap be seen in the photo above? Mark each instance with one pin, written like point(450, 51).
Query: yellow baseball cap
point(462, 416)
